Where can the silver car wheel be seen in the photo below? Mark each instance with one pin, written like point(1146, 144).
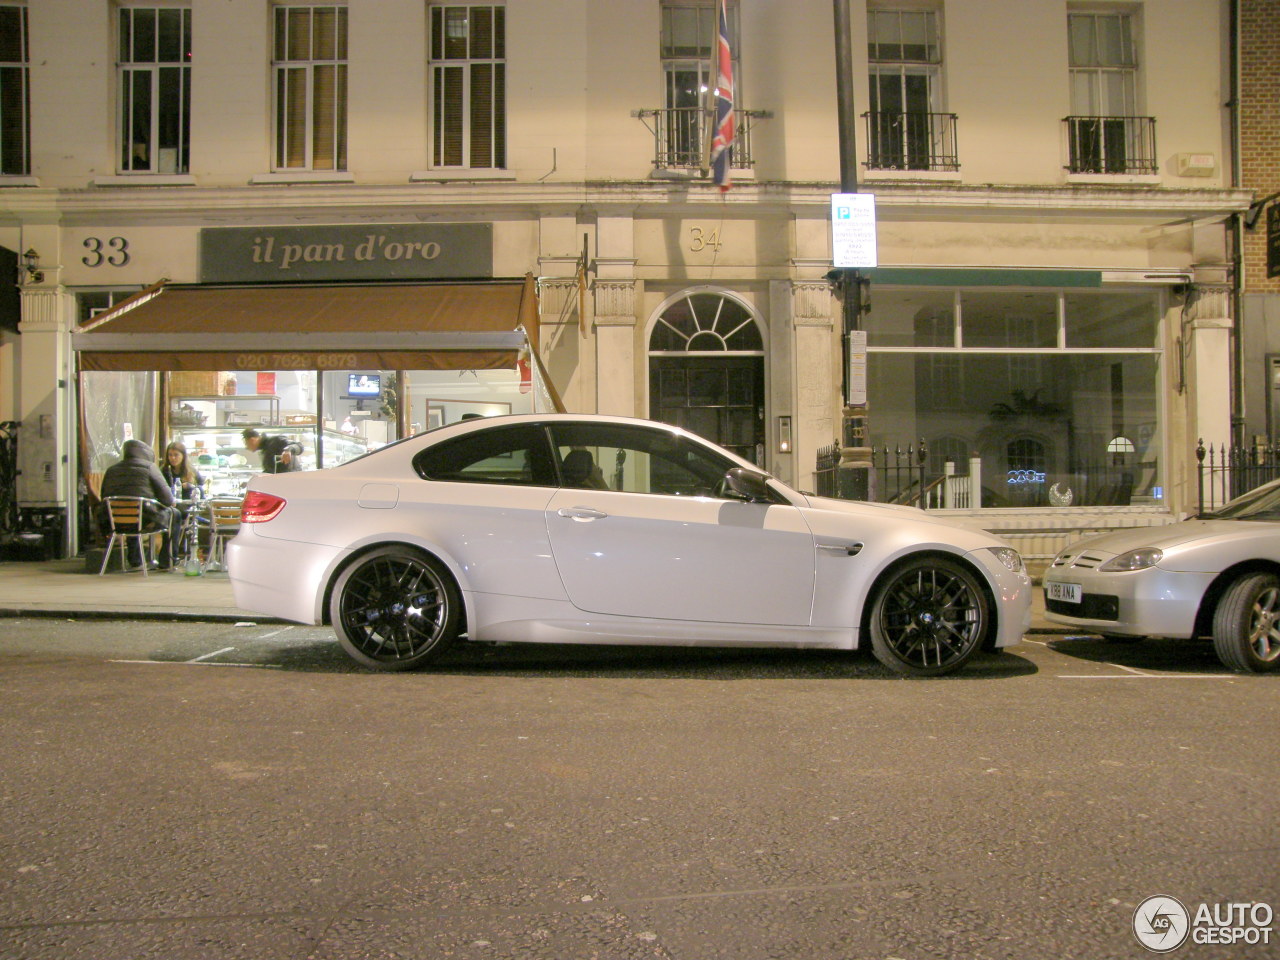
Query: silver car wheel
point(1246, 625)
point(929, 617)
point(395, 608)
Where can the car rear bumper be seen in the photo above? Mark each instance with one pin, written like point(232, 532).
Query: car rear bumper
point(277, 578)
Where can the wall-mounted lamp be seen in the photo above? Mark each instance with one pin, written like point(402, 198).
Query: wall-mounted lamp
point(31, 263)
point(784, 434)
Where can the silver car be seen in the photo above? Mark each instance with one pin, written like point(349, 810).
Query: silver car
point(1216, 576)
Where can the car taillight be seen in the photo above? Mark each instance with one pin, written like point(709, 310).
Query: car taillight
point(260, 507)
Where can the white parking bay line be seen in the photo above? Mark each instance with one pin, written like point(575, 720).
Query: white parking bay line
point(208, 655)
point(1144, 676)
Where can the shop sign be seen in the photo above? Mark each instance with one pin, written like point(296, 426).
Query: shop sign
point(396, 251)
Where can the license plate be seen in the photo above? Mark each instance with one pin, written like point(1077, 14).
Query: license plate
point(1066, 592)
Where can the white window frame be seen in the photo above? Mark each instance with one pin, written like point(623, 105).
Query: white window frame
point(463, 70)
point(307, 71)
point(154, 73)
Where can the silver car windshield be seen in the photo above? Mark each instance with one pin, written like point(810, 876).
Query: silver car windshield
point(1260, 504)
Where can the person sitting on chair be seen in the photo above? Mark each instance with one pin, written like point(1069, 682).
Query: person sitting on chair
point(136, 475)
point(179, 468)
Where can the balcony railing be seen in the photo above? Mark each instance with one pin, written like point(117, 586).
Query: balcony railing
point(682, 136)
point(1111, 145)
point(911, 141)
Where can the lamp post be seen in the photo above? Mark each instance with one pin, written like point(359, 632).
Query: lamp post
point(854, 476)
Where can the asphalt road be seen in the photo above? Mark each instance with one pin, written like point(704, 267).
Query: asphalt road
point(211, 791)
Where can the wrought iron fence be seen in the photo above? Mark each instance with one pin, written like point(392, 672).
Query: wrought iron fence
point(681, 136)
point(898, 476)
point(911, 140)
point(1111, 145)
point(1226, 472)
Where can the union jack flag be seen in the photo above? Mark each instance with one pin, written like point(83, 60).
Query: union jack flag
point(722, 140)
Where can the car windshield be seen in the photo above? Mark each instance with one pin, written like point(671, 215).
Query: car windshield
point(1260, 504)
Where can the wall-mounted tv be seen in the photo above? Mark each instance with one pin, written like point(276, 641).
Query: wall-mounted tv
point(364, 384)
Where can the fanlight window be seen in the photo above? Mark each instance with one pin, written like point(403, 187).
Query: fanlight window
point(705, 323)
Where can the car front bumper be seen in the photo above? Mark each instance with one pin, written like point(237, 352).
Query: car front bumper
point(1141, 603)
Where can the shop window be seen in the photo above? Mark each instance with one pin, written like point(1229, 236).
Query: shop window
point(1044, 382)
point(310, 68)
point(468, 86)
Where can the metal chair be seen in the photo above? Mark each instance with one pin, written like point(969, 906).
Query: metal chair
point(128, 519)
point(224, 519)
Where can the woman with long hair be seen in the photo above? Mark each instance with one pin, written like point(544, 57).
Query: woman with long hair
point(177, 467)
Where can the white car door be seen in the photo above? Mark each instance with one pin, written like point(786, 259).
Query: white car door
point(651, 539)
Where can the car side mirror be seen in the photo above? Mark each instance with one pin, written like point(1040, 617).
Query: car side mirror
point(743, 484)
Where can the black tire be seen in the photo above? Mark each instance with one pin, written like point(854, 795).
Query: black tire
point(395, 608)
point(1246, 624)
point(928, 617)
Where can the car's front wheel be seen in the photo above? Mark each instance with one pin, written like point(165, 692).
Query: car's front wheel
point(1246, 625)
point(395, 608)
point(928, 617)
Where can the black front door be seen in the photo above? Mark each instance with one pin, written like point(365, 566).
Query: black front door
point(718, 398)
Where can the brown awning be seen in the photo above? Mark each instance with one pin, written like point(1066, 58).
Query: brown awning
point(423, 326)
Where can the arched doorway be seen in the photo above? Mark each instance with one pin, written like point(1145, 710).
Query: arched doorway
point(706, 370)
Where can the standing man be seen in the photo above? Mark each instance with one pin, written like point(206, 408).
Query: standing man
point(279, 454)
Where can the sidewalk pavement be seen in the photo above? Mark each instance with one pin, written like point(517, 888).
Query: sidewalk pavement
point(62, 588)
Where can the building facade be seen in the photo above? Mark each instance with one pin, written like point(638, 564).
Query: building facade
point(1259, 160)
point(1052, 310)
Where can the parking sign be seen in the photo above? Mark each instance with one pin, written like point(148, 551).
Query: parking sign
point(853, 230)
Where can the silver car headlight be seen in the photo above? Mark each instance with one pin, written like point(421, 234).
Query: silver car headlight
point(1009, 557)
point(1133, 560)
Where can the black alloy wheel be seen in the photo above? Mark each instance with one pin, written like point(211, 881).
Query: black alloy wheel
point(395, 608)
point(929, 617)
point(1246, 625)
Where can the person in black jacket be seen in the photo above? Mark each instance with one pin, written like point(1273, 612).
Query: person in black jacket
point(136, 475)
point(279, 454)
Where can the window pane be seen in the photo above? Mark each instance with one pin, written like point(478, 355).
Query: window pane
point(499, 32)
point(138, 110)
point(172, 131)
point(1009, 319)
point(1059, 426)
point(13, 120)
point(323, 118)
point(481, 114)
point(1083, 49)
point(918, 317)
point(481, 33)
point(299, 34)
point(516, 455)
point(448, 116)
point(125, 52)
point(1111, 320)
point(325, 26)
point(455, 33)
point(171, 34)
point(144, 36)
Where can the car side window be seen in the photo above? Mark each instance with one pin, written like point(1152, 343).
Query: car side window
point(517, 454)
point(603, 456)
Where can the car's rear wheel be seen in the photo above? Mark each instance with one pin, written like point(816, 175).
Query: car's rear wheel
point(395, 608)
point(1246, 625)
point(928, 617)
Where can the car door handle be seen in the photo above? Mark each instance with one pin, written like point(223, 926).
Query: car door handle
point(581, 513)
